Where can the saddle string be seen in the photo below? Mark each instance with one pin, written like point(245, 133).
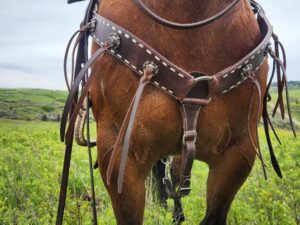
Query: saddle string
point(175, 25)
point(127, 125)
point(280, 78)
point(256, 86)
point(284, 85)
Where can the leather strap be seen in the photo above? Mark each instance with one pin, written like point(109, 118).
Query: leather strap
point(81, 58)
point(184, 26)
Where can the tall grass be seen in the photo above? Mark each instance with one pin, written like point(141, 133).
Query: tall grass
point(31, 159)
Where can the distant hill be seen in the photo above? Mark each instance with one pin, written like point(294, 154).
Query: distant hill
point(31, 104)
point(38, 104)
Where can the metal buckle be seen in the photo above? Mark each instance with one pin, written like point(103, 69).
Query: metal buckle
point(184, 191)
point(190, 134)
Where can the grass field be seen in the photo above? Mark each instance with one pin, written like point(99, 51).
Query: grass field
point(31, 163)
point(31, 158)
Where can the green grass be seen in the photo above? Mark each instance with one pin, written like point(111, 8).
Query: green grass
point(30, 169)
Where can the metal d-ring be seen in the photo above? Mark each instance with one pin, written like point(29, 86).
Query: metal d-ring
point(203, 78)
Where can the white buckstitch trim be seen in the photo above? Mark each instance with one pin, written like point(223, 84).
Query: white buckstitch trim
point(157, 58)
point(133, 66)
point(141, 72)
point(226, 75)
point(113, 28)
point(119, 31)
point(225, 91)
point(232, 71)
point(133, 40)
point(172, 69)
point(142, 46)
point(165, 64)
point(233, 86)
point(180, 75)
point(156, 83)
point(164, 88)
point(126, 35)
point(126, 61)
point(148, 51)
point(119, 56)
point(171, 92)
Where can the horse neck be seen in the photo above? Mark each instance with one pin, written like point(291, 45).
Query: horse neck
point(207, 49)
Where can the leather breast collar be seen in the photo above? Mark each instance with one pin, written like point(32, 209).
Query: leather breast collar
point(171, 79)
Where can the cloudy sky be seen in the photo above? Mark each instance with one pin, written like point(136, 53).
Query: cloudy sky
point(34, 33)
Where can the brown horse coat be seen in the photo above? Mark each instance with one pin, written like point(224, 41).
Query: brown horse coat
point(223, 138)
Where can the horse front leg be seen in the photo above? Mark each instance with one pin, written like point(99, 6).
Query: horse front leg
point(128, 205)
point(226, 175)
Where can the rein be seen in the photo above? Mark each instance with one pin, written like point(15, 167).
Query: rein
point(191, 90)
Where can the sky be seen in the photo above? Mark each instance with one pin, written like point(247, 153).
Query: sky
point(34, 34)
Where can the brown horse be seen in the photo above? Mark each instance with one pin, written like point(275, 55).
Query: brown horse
point(223, 139)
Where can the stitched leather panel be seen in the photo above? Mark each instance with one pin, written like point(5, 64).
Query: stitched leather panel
point(134, 53)
point(233, 76)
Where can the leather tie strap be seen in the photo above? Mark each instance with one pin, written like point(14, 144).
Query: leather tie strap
point(189, 114)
